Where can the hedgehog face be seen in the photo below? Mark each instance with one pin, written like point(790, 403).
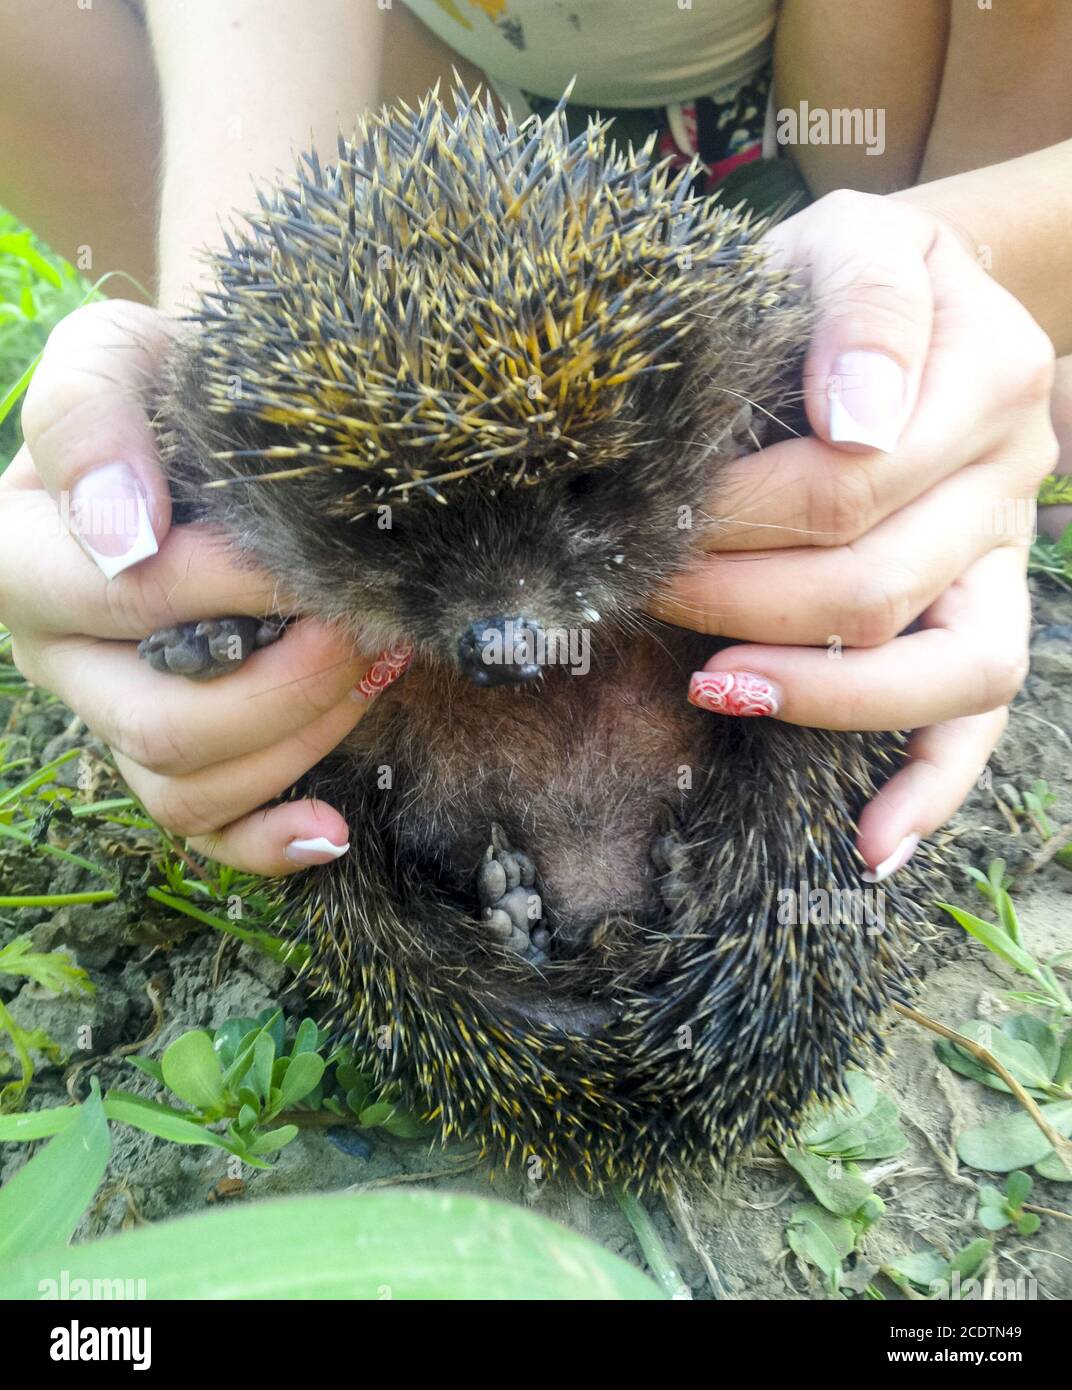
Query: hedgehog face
point(457, 388)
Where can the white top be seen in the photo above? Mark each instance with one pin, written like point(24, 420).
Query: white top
point(624, 53)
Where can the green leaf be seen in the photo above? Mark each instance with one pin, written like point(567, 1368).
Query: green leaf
point(45, 1200)
point(994, 939)
point(1062, 1075)
point(53, 970)
point(833, 1120)
point(1028, 1224)
point(1014, 1140)
point(37, 1124)
point(1039, 1035)
point(994, 1218)
point(303, 1075)
point(965, 1262)
point(307, 1038)
point(836, 1187)
point(259, 1077)
point(814, 1247)
point(374, 1115)
point(1053, 1170)
point(150, 1066)
point(1017, 1188)
point(273, 1139)
point(191, 1068)
point(20, 245)
point(370, 1245)
point(921, 1269)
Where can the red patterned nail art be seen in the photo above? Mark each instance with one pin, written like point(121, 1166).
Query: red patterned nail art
point(384, 671)
point(732, 692)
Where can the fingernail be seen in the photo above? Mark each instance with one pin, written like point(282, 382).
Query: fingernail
point(733, 692)
point(109, 514)
point(384, 671)
point(897, 860)
point(318, 851)
point(866, 391)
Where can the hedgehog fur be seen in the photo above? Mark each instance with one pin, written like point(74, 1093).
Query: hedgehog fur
point(477, 371)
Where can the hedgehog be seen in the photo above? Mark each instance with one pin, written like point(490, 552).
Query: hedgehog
point(465, 392)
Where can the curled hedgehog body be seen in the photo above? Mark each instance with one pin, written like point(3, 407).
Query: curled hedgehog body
point(470, 385)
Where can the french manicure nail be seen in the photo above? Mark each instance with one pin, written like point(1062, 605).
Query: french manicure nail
point(109, 514)
point(897, 860)
point(739, 693)
point(318, 851)
point(866, 391)
point(384, 671)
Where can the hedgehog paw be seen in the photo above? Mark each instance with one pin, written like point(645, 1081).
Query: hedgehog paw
point(511, 906)
point(202, 651)
point(670, 859)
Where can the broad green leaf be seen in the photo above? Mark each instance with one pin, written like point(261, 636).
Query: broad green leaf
point(815, 1248)
point(1041, 1036)
point(45, 1200)
point(994, 1218)
point(836, 1229)
point(843, 1114)
point(192, 1070)
point(1052, 1168)
point(273, 1139)
point(1028, 1223)
point(837, 1188)
point(922, 1268)
point(303, 1074)
point(370, 1245)
point(307, 1038)
point(1014, 1140)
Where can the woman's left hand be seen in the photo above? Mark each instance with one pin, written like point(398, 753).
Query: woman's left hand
point(911, 507)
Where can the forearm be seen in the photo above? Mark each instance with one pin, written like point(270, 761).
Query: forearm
point(1016, 218)
point(246, 85)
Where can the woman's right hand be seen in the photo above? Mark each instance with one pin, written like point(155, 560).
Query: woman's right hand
point(202, 758)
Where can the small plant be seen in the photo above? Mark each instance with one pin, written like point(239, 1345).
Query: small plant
point(1005, 939)
point(1053, 558)
point(930, 1273)
point(998, 1210)
point(55, 971)
point(864, 1128)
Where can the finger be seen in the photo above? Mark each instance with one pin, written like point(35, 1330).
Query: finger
point(48, 585)
point(944, 763)
point(203, 802)
point(871, 289)
point(278, 839)
point(86, 423)
point(175, 727)
point(862, 594)
point(970, 657)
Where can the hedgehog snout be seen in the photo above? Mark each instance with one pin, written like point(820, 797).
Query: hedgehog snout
point(501, 650)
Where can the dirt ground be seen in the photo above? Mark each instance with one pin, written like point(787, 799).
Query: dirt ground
point(738, 1247)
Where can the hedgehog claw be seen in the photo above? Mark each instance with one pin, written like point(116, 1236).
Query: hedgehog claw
point(202, 651)
point(511, 908)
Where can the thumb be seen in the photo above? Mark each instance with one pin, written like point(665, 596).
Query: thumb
point(863, 261)
point(86, 425)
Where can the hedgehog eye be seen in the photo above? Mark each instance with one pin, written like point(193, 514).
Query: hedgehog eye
point(581, 484)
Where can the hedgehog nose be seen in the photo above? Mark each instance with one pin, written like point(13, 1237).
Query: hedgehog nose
point(500, 651)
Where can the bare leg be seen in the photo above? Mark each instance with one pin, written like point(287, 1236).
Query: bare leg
point(80, 126)
point(80, 122)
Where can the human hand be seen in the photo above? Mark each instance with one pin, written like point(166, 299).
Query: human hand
point(201, 758)
point(912, 506)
